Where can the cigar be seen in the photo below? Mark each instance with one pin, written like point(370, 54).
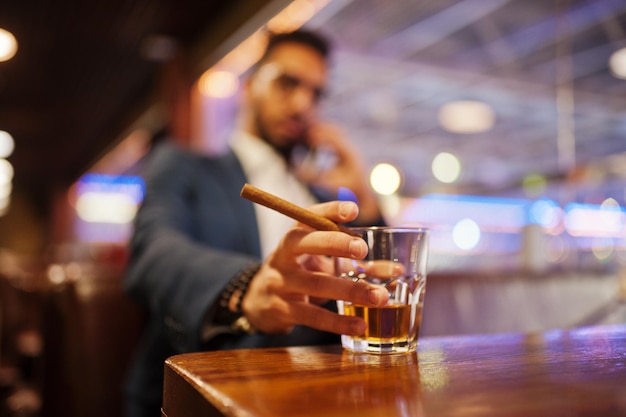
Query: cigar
point(294, 211)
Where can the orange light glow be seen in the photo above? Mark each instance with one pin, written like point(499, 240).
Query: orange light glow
point(218, 84)
point(8, 45)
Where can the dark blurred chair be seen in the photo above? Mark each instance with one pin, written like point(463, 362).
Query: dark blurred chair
point(20, 335)
point(90, 331)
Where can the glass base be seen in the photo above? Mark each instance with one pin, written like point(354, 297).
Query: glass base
point(360, 345)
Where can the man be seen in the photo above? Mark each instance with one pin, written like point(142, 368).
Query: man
point(218, 272)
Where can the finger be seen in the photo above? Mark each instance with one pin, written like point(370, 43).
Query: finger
point(325, 320)
point(383, 269)
point(273, 317)
point(322, 134)
point(338, 211)
point(318, 301)
point(329, 135)
point(300, 241)
point(318, 263)
point(320, 285)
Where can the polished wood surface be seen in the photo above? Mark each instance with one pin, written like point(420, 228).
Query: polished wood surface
point(580, 372)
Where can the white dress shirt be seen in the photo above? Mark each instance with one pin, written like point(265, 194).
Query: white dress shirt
point(267, 169)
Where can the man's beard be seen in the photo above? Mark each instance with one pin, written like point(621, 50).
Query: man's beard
point(285, 148)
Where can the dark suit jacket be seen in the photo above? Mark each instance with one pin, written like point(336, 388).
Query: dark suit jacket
point(193, 233)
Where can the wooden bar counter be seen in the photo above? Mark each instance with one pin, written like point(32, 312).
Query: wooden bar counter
point(579, 372)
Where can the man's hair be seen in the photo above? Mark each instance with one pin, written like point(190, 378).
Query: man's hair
point(304, 37)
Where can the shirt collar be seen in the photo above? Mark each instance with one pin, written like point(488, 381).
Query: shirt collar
point(255, 154)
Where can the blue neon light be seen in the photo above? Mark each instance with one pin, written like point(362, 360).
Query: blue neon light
point(132, 186)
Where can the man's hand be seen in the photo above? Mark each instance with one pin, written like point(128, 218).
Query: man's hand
point(347, 171)
point(299, 274)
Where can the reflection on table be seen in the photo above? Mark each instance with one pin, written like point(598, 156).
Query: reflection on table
point(580, 372)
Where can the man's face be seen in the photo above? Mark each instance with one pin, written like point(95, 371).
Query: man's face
point(284, 94)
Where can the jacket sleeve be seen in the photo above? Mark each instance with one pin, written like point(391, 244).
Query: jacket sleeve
point(173, 271)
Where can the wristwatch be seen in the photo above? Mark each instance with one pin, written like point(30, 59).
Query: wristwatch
point(232, 315)
point(242, 325)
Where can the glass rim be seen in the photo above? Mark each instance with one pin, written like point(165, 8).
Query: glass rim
point(400, 229)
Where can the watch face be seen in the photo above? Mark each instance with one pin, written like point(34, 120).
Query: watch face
point(243, 325)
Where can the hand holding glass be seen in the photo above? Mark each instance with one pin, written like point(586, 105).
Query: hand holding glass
point(396, 260)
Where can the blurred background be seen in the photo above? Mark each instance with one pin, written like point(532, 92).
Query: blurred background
point(499, 124)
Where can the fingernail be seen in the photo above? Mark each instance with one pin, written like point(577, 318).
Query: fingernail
point(356, 248)
point(376, 297)
point(345, 209)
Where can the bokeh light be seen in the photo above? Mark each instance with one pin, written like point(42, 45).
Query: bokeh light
point(446, 167)
point(534, 185)
point(218, 84)
point(557, 249)
point(6, 172)
point(8, 45)
point(602, 248)
point(7, 144)
point(5, 189)
point(466, 116)
point(594, 221)
point(466, 234)
point(546, 213)
point(385, 179)
point(609, 204)
point(106, 207)
point(617, 63)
